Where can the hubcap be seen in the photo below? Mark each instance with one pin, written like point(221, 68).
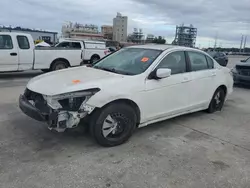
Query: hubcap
point(217, 98)
point(114, 125)
point(95, 60)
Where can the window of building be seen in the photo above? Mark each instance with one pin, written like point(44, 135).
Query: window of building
point(46, 38)
point(198, 61)
point(23, 42)
point(175, 61)
point(6, 42)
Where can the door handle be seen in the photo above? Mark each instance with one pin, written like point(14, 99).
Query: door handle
point(213, 73)
point(185, 79)
point(13, 54)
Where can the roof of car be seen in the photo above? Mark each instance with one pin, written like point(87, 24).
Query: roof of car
point(159, 47)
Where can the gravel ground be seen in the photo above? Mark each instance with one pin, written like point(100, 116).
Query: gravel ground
point(191, 151)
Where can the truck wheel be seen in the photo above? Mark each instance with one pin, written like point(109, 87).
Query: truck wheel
point(94, 59)
point(113, 125)
point(58, 65)
point(45, 70)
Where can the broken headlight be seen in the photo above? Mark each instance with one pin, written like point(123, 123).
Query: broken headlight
point(70, 101)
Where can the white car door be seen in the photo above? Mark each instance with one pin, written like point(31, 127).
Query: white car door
point(202, 79)
point(25, 53)
point(8, 54)
point(168, 96)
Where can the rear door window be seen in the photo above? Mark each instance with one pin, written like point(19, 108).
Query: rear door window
point(76, 45)
point(64, 45)
point(23, 42)
point(198, 61)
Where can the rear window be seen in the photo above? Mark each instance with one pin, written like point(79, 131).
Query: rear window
point(76, 45)
point(23, 42)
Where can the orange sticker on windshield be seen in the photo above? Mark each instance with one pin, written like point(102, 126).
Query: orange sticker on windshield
point(144, 59)
point(76, 81)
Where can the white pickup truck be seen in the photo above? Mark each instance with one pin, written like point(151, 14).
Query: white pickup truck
point(18, 53)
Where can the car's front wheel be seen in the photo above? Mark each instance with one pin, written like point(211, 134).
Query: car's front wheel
point(217, 101)
point(113, 124)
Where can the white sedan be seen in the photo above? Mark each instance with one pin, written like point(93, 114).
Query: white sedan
point(130, 88)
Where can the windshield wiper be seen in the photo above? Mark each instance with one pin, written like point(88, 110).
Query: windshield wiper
point(112, 70)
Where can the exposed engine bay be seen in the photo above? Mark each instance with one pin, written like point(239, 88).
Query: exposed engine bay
point(62, 111)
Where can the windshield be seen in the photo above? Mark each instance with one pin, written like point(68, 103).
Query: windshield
point(130, 61)
point(248, 60)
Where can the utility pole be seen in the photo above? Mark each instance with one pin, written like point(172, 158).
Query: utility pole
point(241, 42)
point(215, 41)
point(245, 42)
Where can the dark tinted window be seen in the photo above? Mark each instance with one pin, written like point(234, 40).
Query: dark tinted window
point(76, 45)
point(23, 42)
point(175, 61)
point(210, 62)
point(63, 44)
point(6, 42)
point(198, 61)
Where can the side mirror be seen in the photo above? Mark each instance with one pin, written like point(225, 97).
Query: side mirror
point(243, 61)
point(160, 73)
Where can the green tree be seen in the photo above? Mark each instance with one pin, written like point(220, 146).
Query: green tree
point(159, 40)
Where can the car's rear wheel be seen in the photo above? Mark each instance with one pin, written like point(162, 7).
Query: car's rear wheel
point(217, 101)
point(113, 125)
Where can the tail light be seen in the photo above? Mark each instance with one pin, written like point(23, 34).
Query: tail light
point(106, 52)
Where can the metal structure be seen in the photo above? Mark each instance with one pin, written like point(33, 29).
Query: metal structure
point(136, 36)
point(185, 36)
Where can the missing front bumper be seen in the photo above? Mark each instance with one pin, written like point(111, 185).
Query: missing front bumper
point(28, 109)
point(56, 119)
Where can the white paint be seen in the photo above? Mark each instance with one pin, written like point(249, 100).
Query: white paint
point(42, 58)
point(157, 99)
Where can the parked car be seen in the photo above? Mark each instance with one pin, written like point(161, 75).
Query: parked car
point(18, 53)
point(112, 49)
point(220, 57)
point(241, 72)
point(133, 87)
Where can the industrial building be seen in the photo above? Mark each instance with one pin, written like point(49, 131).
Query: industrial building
point(87, 31)
point(185, 36)
point(107, 31)
point(137, 36)
point(120, 27)
point(47, 36)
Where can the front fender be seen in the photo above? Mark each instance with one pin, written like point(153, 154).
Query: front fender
point(101, 99)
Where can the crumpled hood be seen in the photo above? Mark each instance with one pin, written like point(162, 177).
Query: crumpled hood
point(71, 80)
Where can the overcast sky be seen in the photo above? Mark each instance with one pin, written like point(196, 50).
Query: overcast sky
point(228, 19)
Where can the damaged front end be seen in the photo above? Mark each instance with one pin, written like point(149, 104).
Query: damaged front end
point(60, 111)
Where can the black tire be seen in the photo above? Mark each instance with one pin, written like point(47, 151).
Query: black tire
point(58, 65)
point(217, 102)
point(125, 118)
point(45, 70)
point(94, 59)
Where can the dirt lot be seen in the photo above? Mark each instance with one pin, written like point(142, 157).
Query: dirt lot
point(192, 151)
